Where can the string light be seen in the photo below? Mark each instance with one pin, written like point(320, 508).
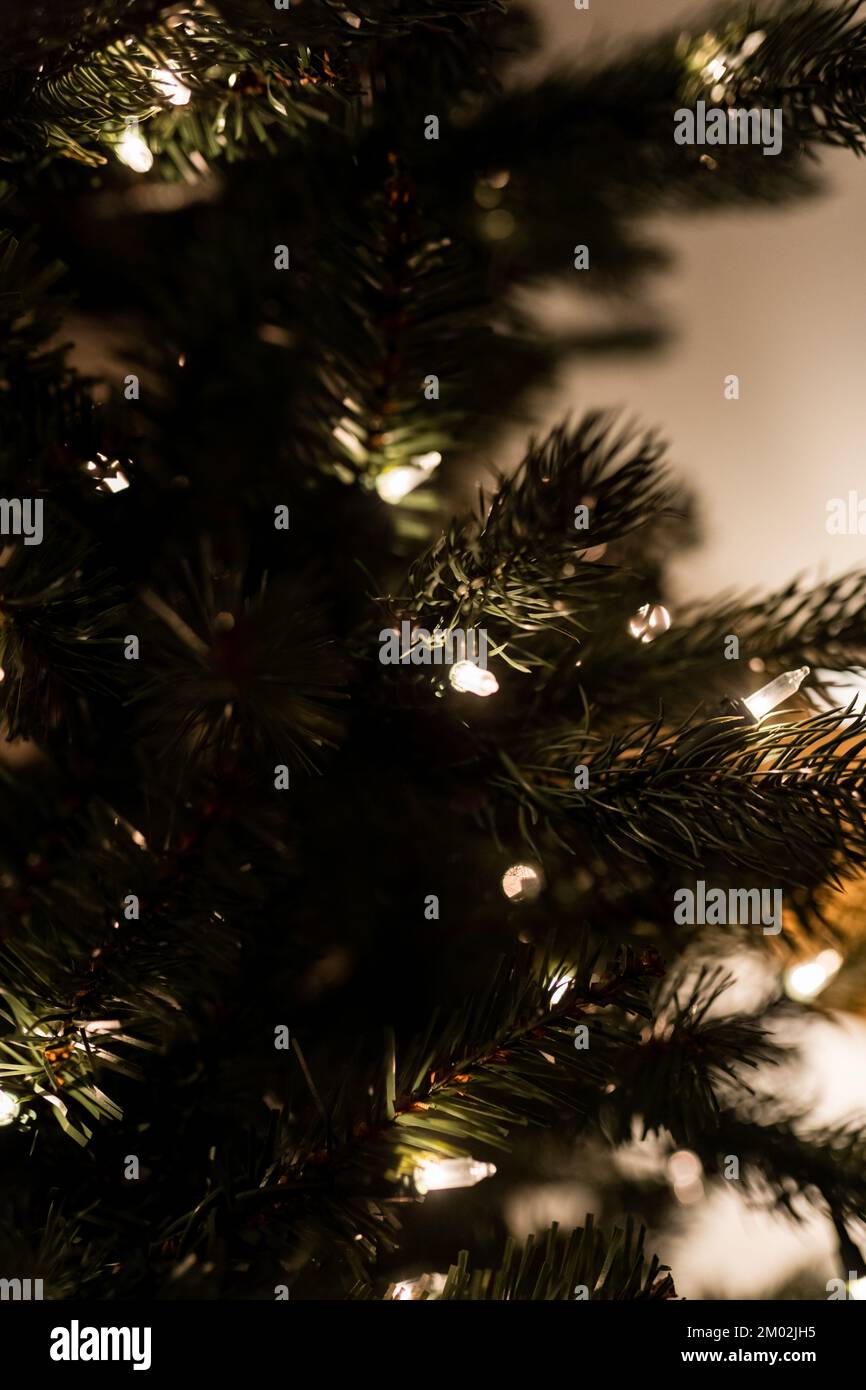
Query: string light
point(649, 621)
point(469, 678)
point(412, 1290)
point(772, 694)
point(132, 150)
point(170, 86)
point(685, 1173)
point(521, 883)
point(440, 1174)
point(112, 479)
point(807, 980)
point(8, 1108)
point(559, 988)
point(395, 483)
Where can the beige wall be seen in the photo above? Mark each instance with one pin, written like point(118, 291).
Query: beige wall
point(778, 298)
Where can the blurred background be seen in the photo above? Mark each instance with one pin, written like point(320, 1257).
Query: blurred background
point(777, 297)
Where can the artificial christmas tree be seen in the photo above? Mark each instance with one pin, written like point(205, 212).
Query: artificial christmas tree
point(343, 842)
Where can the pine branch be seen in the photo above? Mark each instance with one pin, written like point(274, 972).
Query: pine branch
point(515, 567)
point(586, 1264)
point(98, 73)
point(679, 1077)
point(820, 626)
point(60, 630)
point(812, 64)
point(782, 800)
point(784, 1160)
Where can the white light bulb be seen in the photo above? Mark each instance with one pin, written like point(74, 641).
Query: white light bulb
point(772, 694)
point(559, 988)
point(116, 482)
point(521, 882)
point(684, 1173)
point(413, 1290)
point(168, 85)
point(806, 981)
point(133, 151)
point(649, 621)
point(406, 1291)
point(394, 484)
point(438, 1174)
point(467, 677)
point(8, 1108)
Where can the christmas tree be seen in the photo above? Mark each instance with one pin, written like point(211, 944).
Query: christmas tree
point(355, 834)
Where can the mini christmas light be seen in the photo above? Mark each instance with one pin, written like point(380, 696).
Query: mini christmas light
point(807, 980)
point(685, 1173)
point(772, 694)
point(521, 883)
point(133, 151)
point(395, 483)
point(116, 482)
point(649, 621)
point(439, 1174)
point(8, 1108)
point(112, 479)
point(414, 1290)
point(559, 988)
point(170, 86)
point(469, 678)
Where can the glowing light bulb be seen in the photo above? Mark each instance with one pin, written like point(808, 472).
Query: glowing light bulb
point(772, 694)
point(133, 151)
point(559, 988)
point(413, 1290)
point(406, 1291)
point(469, 678)
point(8, 1108)
point(116, 482)
point(806, 981)
point(170, 86)
point(521, 882)
point(752, 43)
point(684, 1173)
point(394, 484)
point(649, 621)
point(439, 1174)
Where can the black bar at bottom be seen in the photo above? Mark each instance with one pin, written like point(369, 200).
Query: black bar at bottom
point(69, 1340)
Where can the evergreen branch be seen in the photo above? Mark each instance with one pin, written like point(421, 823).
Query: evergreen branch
point(60, 630)
point(511, 567)
point(677, 1079)
point(782, 1157)
point(100, 74)
point(586, 1264)
point(811, 63)
point(783, 800)
point(267, 676)
point(820, 626)
point(409, 297)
